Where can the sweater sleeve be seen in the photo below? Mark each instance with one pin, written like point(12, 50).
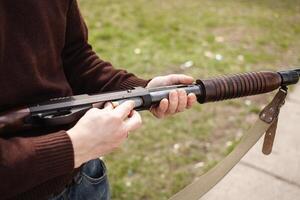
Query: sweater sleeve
point(85, 71)
point(28, 162)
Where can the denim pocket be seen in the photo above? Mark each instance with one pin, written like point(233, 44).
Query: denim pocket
point(94, 171)
point(91, 182)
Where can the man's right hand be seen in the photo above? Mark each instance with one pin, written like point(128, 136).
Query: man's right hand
point(100, 131)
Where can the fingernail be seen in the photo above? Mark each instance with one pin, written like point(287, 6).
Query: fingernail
point(114, 104)
point(182, 91)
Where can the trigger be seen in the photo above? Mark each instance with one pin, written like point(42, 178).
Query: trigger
point(58, 114)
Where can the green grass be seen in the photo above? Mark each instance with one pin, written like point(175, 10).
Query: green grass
point(165, 155)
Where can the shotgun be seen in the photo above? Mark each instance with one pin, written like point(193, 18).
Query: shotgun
point(68, 110)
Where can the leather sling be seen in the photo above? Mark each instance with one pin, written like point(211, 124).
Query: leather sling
point(265, 124)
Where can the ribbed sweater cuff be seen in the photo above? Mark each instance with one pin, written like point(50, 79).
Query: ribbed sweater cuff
point(133, 82)
point(54, 154)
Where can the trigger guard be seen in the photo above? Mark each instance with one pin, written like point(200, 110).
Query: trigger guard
point(63, 119)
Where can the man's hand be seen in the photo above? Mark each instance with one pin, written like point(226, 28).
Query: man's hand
point(178, 99)
point(100, 131)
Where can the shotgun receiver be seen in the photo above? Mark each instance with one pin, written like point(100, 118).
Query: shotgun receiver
point(68, 110)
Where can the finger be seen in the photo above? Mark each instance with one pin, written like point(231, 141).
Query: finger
point(191, 100)
point(173, 102)
point(108, 106)
point(134, 122)
point(180, 79)
point(162, 108)
point(130, 114)
point(124, 109)
point(182, 100)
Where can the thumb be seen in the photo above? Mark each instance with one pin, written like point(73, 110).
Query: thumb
point(180, 79)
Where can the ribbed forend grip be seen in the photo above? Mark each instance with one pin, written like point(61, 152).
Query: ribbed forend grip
point(234, 86)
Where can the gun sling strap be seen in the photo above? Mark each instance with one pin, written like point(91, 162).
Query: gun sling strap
point(265, 124)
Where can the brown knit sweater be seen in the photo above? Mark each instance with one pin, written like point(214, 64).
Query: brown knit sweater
point(44, 53)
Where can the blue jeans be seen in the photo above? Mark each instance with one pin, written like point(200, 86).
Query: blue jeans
point(90, 183)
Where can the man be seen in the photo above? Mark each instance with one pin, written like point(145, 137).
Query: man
point(44, 53)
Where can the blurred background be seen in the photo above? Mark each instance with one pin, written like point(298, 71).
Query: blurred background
point(201, 38)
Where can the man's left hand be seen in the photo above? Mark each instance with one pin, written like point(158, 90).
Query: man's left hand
point(178, 99)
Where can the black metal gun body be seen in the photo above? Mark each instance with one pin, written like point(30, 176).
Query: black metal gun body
point(68, 110)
